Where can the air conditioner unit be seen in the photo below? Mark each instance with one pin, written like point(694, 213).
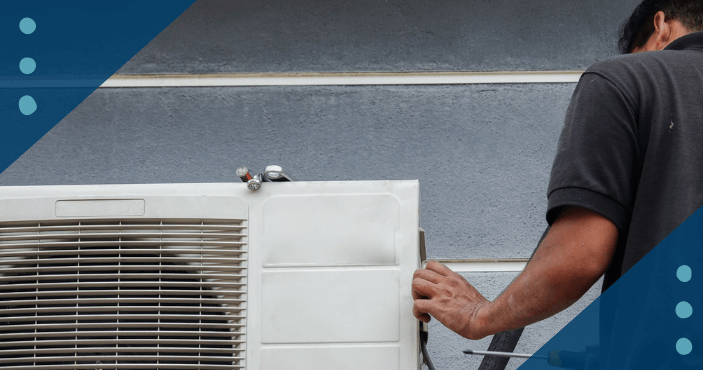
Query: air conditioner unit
point(298, 275)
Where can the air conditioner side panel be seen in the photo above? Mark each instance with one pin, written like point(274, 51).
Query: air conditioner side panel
point(333, 263)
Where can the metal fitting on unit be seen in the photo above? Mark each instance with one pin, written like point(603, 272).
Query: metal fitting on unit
point(275, 173)
point(255, 183)
point(243, 174)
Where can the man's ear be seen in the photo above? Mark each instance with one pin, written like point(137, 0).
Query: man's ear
point(662, 30)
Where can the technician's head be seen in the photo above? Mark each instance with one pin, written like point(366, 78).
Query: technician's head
point(656, 23)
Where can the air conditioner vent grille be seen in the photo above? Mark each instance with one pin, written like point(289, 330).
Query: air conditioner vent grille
point(123, 294)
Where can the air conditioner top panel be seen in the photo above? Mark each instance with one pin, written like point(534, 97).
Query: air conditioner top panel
point(221, 200)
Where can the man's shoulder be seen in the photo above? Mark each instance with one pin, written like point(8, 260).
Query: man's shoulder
point(624, 72)
point(679, 58)
point(623, 65)
point(653, 64)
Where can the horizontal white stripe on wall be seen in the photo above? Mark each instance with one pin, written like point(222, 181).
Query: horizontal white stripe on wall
point(341, 79)
point(505, 265)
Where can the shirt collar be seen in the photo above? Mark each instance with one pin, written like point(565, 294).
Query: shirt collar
point(690, 41)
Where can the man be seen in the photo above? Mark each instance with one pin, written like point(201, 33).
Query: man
point(628, 171)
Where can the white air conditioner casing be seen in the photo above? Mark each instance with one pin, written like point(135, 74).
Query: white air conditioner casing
point(297, 275)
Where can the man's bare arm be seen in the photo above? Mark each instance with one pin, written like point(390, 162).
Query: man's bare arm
point(573, 256)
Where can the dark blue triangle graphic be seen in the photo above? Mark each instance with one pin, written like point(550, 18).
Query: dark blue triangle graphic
point(56, 53)
point(651, 318)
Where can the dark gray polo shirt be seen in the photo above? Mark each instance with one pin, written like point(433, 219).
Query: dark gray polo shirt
point(632, 147)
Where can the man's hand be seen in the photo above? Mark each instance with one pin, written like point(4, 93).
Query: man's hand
point(446, 295)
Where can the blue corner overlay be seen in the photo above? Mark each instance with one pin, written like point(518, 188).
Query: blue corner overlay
point(56, 53)
point(651, 318)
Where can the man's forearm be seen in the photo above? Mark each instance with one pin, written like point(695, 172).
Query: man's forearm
point(572, 257)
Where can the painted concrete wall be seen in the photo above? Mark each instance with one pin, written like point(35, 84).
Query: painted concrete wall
point(380, 35)
point(482, 153)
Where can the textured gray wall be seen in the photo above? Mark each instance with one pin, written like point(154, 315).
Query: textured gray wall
point(216, 36)
point(482, 152)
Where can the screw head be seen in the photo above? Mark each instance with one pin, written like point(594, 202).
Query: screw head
point(254, 184)
point(242, 171)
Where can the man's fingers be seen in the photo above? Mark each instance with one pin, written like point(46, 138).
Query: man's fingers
point(422, 289)
point(421, 308)
point(416, 295)
point(439, 268)
point(428, 275)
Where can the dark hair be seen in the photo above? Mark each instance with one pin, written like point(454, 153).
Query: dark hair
point(640, 26)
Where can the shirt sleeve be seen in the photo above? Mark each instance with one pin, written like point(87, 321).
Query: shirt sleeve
point(597, 158)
